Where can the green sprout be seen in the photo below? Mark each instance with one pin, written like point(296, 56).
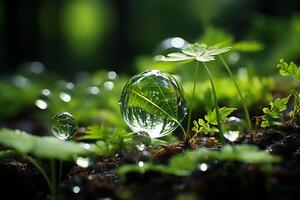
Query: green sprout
point(203, 54)
point(207, 125)
point(291, 70)
point(274, 113)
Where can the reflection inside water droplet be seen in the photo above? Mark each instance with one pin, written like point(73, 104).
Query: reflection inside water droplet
point(153, 102)
point(64, 126)
point(233, 128)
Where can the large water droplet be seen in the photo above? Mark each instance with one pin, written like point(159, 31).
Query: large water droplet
point(141, 140)
point(64, 126)
point(153, 102)
point(233, 128)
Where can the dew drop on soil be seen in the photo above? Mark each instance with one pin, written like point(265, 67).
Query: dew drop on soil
point(153, 102)
point(233, 128)
point(83, 161)
point(76, 189)
point(141, 140)
point(64, 126)
point(203, 167)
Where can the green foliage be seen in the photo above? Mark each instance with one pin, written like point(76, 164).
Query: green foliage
point(248, 46)
point(275, 112)
point(199, 52)
point(288, 69)
point(208, 126)
point(296, 109)
point(43, 147)
point(109, 139)
point(184, 164)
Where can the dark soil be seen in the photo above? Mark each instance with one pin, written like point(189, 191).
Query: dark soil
point(222, 180)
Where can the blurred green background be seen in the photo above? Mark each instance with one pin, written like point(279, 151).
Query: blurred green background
point(76, 55)
point(75, 35)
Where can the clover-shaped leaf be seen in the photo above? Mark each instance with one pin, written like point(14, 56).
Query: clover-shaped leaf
point(199, 52)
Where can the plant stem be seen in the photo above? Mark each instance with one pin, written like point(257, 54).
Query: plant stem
point(192, 99)
point(221, 137)
point(44, 174)
point(239, 92)
point(53, 175)
point(60, 171)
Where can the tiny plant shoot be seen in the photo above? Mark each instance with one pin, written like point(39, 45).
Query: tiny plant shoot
point(275, 112)
point(202, 53)
point(207, 125)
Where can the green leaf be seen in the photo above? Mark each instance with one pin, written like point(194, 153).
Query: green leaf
point(173, 57)
point(184, 164)
point(211, 116)
point(275, 112)
point(248, 46)
point(288, 69)
point(43, 147)
point(199, 52)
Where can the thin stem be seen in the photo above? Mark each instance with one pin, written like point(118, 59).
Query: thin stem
point(192, 99)
point(44, 174)
point(239, 92)
point(53, 175)
point(60, 171)
point(221, 137)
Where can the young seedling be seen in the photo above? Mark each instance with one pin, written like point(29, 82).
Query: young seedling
point(274, 113)
point(291, 70)
point(208, 124)
point(202, 53)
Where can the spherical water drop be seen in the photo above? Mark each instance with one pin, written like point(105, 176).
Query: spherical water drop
point(233, 128)
point(83, 161)
point(64, 126)
point(141, 140)
point(153, 102)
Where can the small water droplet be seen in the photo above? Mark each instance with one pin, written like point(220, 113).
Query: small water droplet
point(41, 104)
point(46, 92)
point(112, 75)
point(20, 81)
point(141, 164)
point(203, 167)
point(144, 156)
point(83, 161)
point(64, 126)
point(233, 127)
point(108, 85)
point(175, 42)
point(65, 97)
point(141, 140)
point(153, 102)
point(76, 189)
point(70, 85)
point(37, 67)
point(93, 90)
